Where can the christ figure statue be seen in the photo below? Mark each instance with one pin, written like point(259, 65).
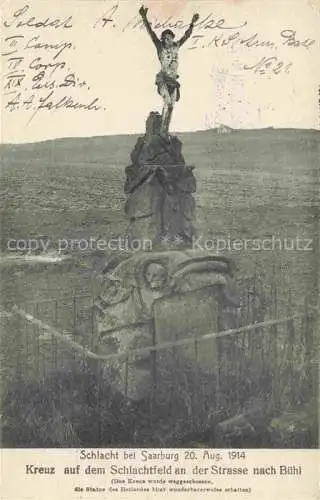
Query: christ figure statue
point(167, 79)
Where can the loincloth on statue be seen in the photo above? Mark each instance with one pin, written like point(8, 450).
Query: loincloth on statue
point(171, 83)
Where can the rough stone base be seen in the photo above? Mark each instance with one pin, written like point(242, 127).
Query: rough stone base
point(159, 185)
point(158, 297)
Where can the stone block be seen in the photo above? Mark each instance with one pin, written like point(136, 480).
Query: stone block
point(190, 315)
point(153, 124)
point(146, 200)
point(157, 297)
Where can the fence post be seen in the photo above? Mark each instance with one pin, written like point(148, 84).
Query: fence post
point(19, 347)
point(153, 359)
point(310, 386)
point(53, 339)
point(196, 387)
point(291, 375)
point(126, 374)
point(37, 341)
point(218, 371)
point(173, 385)
point(99, 396)
point(92, 323)
point(74, 322)
point(274, 367)
point(26, 344)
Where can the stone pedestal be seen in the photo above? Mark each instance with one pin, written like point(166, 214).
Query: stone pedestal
point(159, 185)
point(156, 297)
point(159, 296)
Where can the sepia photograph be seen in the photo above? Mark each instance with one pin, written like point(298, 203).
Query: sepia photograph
point(160, 204)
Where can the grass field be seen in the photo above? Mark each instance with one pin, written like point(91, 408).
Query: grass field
point(250, 184)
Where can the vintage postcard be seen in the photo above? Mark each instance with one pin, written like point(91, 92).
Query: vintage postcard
point(159, 306)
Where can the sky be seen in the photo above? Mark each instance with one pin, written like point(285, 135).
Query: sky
point(266, 75)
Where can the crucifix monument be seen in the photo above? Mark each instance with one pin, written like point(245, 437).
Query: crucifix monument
point(172, 291)
point(159, 184)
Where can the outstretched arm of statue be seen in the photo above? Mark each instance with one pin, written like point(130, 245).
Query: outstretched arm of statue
point(143, 12)
point(189, 31)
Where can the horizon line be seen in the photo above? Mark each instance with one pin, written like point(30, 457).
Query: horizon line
point(129, 134)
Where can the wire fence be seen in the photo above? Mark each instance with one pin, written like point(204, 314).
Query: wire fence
point(262, 365)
